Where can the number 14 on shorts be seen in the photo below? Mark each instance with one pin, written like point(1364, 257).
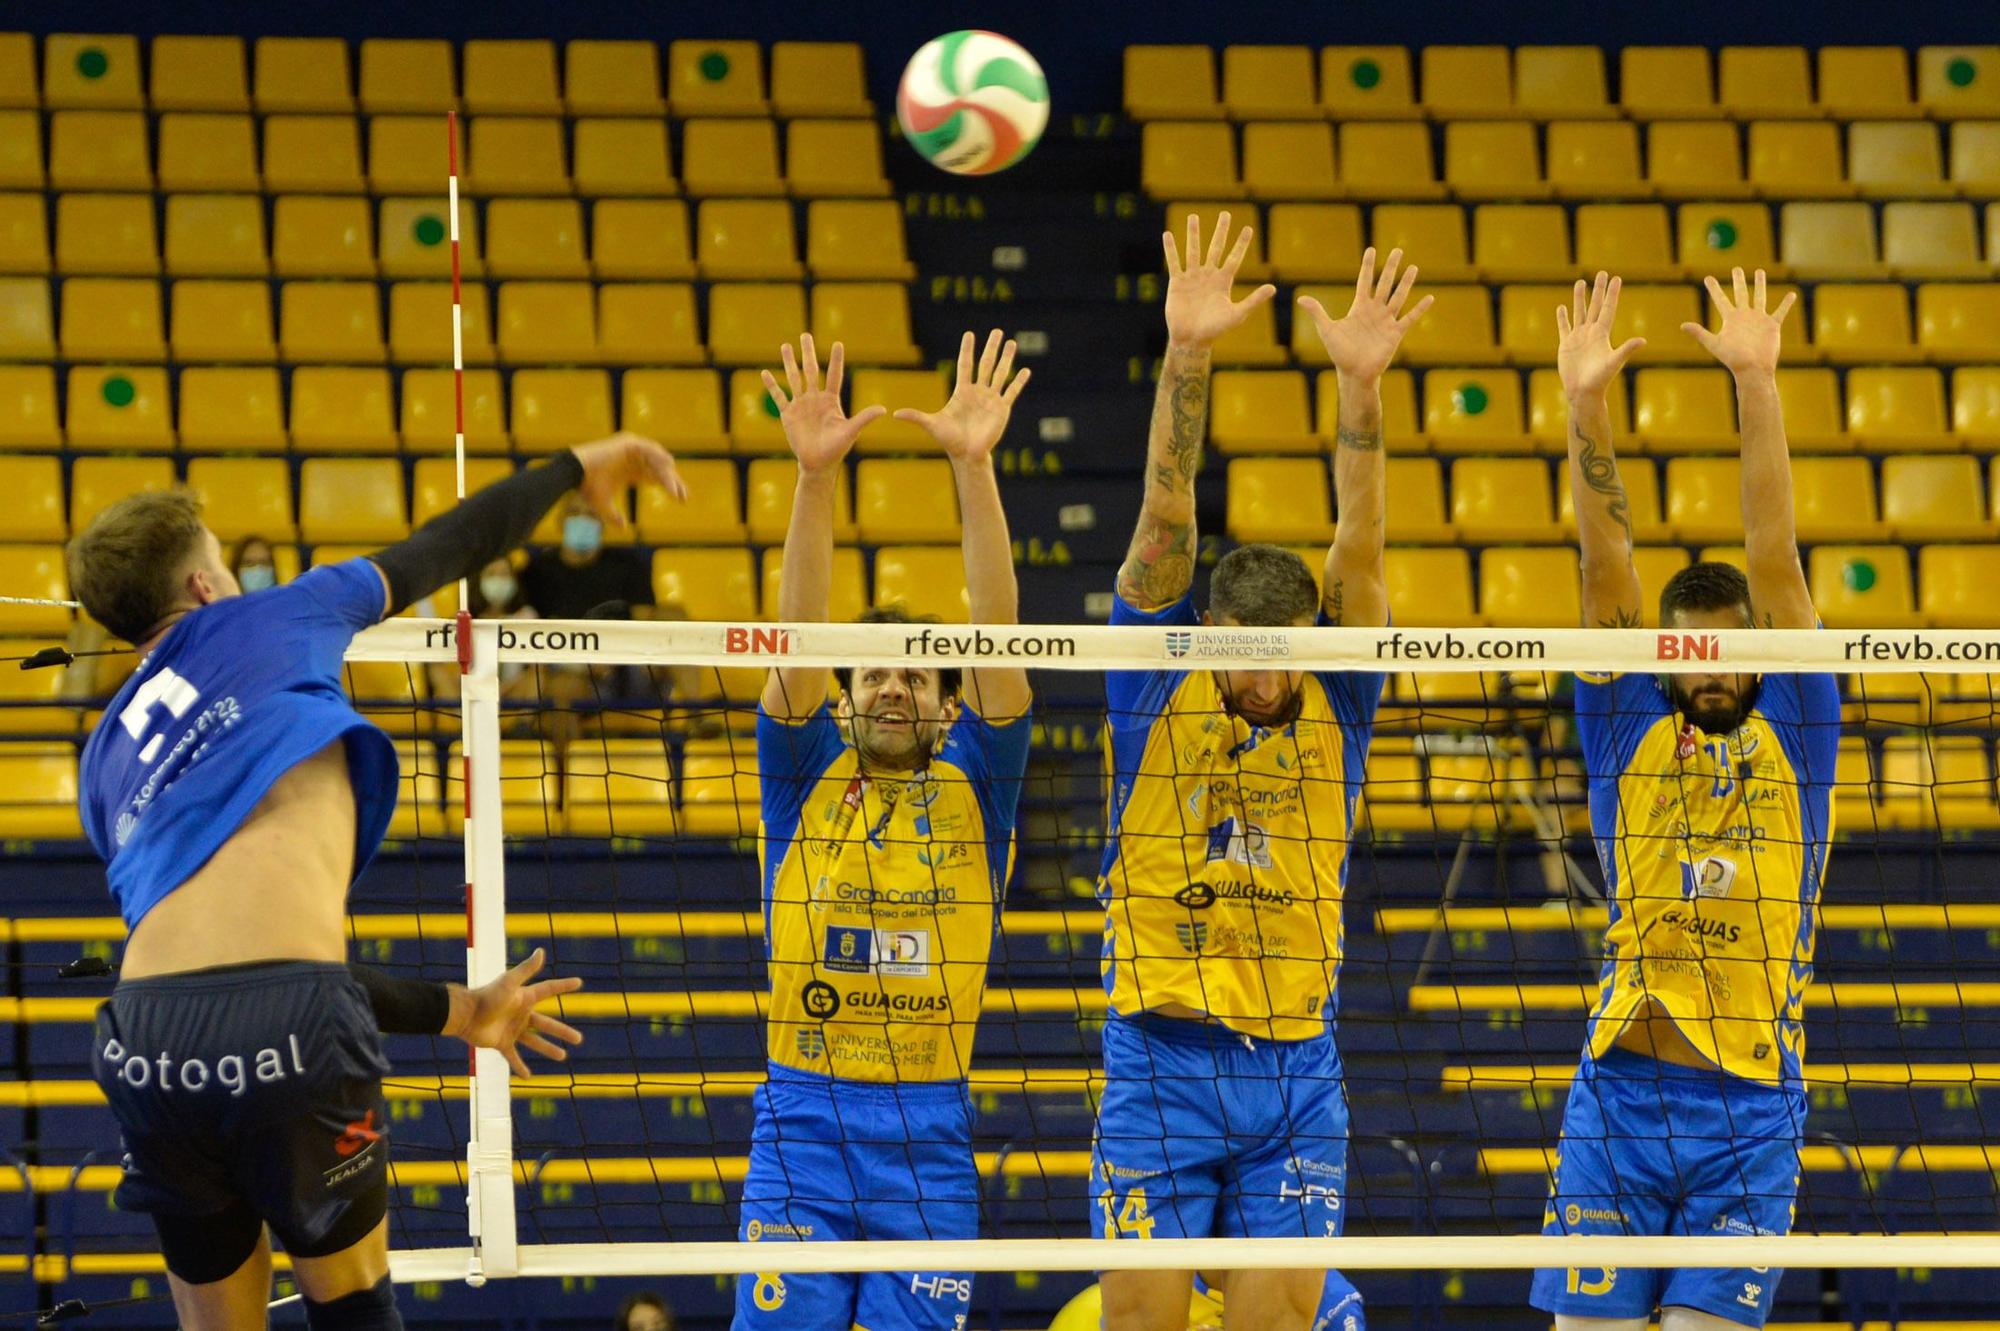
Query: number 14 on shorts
point(1128, 1219)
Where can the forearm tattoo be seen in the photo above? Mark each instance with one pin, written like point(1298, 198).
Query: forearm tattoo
point(1335, 601)
point(1160, 568)
point(1187, 410)
point(1361, 441)
point(1623, 617)
point(1600, 473)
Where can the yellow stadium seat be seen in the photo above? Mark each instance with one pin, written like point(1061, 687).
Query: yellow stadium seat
point(680, 408)
point(1975, 162)
point(111, 318)
point(545, 322)
point(1656, 313)
point(1520, 242)
point(905, 501)
point(1629, 239)
point(1429, 587)
point(35, 513)
point(352, 501)
point(1666, 82)
point(313, 154)
point(535, 238)
point(200, 151)
point(871, 318)
point(1862, 586)
point(1954, 81)
point(1863, 323)
point(1279, 499)
point(850, 239)
point(1642, 498)
point(612, 78)
point(818, 79)
point(1502, 499)
point(517, 155)
point(1529, 588)
point(414, 239)
point(1431, 236)
point(707, 583)
point(199, 74)
point(222, 321)
point(428, 412)
point(1797, 159)
point(511, 78)
point(231, 408)
point(1810, 401)
point(1922, 240)
point(407, 75)
point(26, 330)
point(1704, 499)
point(1896, 408)
point(1171, 83)
point(747, 239)
point(1289, 160)
point(330, 321)
point(38, 789)
point(20, 150)
point(642, 238)
point(1830, 240)
point(1655, 566)
point(1934, 499)
point(1458, 330)
point(99, 150)
point(732, 157)
point(1684, 411)
point(108, 234)
point(712, 515)
point(834, 159)
point(753, 416)
point(1959, 321)
point(1714, 237)
point(1314, 241)
point(1474, 411)
point(1416, 507)
point(1766, 81)
point(315, 236)
point(623, 157)
point(340, 409)
point(749, 321)
point(420, 323)
point(91, 69)
point(97, 483)
point(1269, 83)
point(1956, 584)
point(617, 787)
point(1565, 81)
point(392, 694)
point(1189, 160)
point(28, 406)
point(648, 323)
point(710, 78)
point(434, 484)
point(411, 155)
point(34, 571)
point(1592, 159)
point(1833, 499)
point(19, 85)
point(768, 509)
point(1528, 333)
point(1493, 160)
point(1261, 411)
point(719, 788)
point(1467, 81)
point(923, 390)
point(1975, 406)
point(1387, 160)
point(1865, 82)
point(302, 74)
point(554, 409)
point(1695, 159)
point(1367, 83)
point(924, 579)
point(847, 598)
point(1400, 430)
point(216, 235)
point(244, 497)
point(1895, 158)
point(1548, 411)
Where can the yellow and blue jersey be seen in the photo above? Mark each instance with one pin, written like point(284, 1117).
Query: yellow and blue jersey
point(1714, 851)
point(1227, 846)
point(882, 895)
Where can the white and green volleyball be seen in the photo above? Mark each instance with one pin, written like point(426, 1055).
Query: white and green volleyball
point(973, 102)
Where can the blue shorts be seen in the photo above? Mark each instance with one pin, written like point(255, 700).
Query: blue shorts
point(854, 1160)
point(1653, 1148)
point(1201, 1132)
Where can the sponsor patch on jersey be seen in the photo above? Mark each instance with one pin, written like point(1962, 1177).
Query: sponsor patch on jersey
point(884, 951)
point(1709, 876)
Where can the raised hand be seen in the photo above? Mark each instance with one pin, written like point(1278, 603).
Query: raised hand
point(501, 1015)
point(613, 466)
point(1362, 342)
point(1199, 304)
point(971, 423)
point(1748, 340)
point(817, 428)
point(1585, 358)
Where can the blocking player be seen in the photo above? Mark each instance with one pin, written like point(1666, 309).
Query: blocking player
point(1231, 806)
point(888, 828)
point(234, 793)
point(1710, 802)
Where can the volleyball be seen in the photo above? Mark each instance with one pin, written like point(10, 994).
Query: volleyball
point(972, 102)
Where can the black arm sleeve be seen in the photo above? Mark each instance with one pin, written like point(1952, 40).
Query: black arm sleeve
point(460, 541)
point(404, 1007)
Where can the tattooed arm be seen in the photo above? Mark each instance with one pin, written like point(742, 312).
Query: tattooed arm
point(1159, 566)
point(1589, 364)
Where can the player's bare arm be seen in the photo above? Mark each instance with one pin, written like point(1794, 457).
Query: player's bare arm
point(820, 434)
point(1159, 566)
point(1747, 346)
point(968, 428)
point(1361, 344)
point(1589, 366)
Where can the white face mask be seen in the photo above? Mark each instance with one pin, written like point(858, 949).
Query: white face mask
point(256, 577)
point(498, 588)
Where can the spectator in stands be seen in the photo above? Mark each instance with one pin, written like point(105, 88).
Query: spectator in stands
point(582, 576)
point(644, 1311)
point(254, 563)
point(496, 594)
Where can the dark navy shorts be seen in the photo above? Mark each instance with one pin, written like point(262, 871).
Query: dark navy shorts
point(257, 1086)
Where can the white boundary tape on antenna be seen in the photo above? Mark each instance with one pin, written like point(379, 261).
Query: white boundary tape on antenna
point(40, 600)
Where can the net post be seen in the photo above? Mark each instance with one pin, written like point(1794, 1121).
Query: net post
point(490, 1138)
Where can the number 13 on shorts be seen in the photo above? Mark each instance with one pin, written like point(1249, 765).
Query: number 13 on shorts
point(1128, 1219)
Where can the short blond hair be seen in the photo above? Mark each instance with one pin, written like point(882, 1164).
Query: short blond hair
point(127, 565)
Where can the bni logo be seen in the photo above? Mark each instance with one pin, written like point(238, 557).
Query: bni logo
point(1687, 647)
point(1179, 644)
point(1193, 936)
point(746, 640)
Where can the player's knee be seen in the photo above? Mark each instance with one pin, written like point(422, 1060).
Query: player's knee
point(1145, 1300)
point(371, 1309)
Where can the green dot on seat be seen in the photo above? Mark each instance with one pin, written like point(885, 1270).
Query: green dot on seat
point(770, 406)
point(118, 391)
point(429, 229)
point(91, 62)
point(715, 66)
point(1858, 575)
point(1961, 72)
point(1469, 398)
point(1721, 234)
point(1365, 73)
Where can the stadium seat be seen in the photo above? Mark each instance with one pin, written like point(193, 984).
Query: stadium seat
point(1467, 81)
point(547, 322)
point(244, 497)
point(1565, 81)
point(1862, 586)
point(1830, 240)
point(1529, 588)
point(1666, 82)
point(408, 155)
point(110, 318)
point(1956, 584)
point(36, 511)
point(640, 238)
point(1934, 499)
point(38, 786)
point(1975, 407)
point(1458, 330)
point(1260, 411)
point(1704, 499)
point(1400, 430)
point(1695, 159)
point(1655, 565)
point(1629, 239)
point(847, 597)
point(330, 321)
point(818, 79)
point(232, 408)
point(732, 157)
point(511, 78)
point(1520, 243)
point(924, 579)
point(1642, 498)
point(99, 150)
point(857, 239)
point(1171, 83)
point(1189, 160)
point(97, 69)
point(1833, 499)
point(1684, 410)
point(407, 75)
point(351, 501)
point(1975, 164)
point(1656, 313)
point(1797, 159)
point(1279, 500)
point(216, 235)
point(34, 571)
point(222, 321)
point(712, 514)
point(1493, 160)
point(1416, 504)
point(923, 390)
point(747, 239)
point(905, 501)
point(618, 787)
point(1863, 323)
point(748, 322)
point(1954, 81)
point(434, 483)
point(1269, 83)
point(1313, 241)
point(420, 323)
point(872, 318)
point(768, 509)
point(623, 157)
point(428, 412)
point(414, 240)
point(313, 236)
point(612, 78)
point(554, 409)
point(1289, 160)
point(1470, 410)
point(1429, 587)
point(680, 408)
point(707, 583)
point(1897, 408)
point(107, 234)
point(1959, 321)
point(27, 332)
point(97, 483)
point(302, 74)
point(1865, 82)
point(1592, 159)
point(719, 789)
point(1367, 83)
point(516, 155)
point(1715, 237)
point(1809, 399)
point(1548, 412)
point(1528, 333)
point(1387, 160)
point(313, 154)
point(711, 78)
point(1895, 158)
point(202, 152)
point(1766, 81)
point(540, 238)
point(1431, 235)
point(28, 405)
point(834, 159)
point(641, 323)
point(1924, 240)
point(339, 409)
point(1502, 500)
point(20, 150)
point(19, 85)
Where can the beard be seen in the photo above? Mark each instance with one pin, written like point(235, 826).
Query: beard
point(1716, 713)
point(1286, 711)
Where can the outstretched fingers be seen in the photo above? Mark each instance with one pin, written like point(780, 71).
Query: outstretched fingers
point(1579, 304)
point(1173, 253)
point(1364, 281)
point(1006, 365)
point(1387, 282)
point(794, 381)
point(1607, 312)
point(1218, 243)
point(836, 369)
point(1402, 291)
point(1709, 341)
point(967, 345)
point(989, 358)
point(1254, 299)
point(1020, 382)
point(1742, 292)
point(1597, 290)
point(809, 360)
point(1784, 307)
point(1417, 312)
point(778, 395)
point(1239, 251)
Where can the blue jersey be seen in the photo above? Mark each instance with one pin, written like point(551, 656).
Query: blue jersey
point(234, 696)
